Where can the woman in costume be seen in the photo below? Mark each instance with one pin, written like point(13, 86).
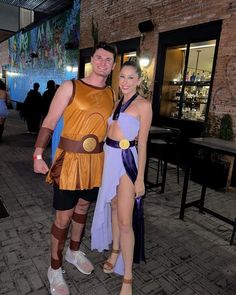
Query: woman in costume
point(119, 203)
point(3, 106)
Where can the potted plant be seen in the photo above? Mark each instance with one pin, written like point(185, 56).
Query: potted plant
point(226, 133)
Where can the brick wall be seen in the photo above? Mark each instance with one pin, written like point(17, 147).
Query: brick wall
point(118, 20)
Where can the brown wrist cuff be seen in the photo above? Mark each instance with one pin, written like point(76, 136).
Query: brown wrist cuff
point(44, 137)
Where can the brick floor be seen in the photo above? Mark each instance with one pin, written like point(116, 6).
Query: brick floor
point(183, 257)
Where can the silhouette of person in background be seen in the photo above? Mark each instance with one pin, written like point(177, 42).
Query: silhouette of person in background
point(32, 109)
point(47, 97)
point(4, 98)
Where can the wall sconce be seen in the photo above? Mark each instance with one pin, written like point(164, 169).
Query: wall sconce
point(144, 61)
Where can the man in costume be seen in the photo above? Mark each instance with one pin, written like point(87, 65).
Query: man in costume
point(85, 106)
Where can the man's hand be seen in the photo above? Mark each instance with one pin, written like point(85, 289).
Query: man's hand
point(40, 166)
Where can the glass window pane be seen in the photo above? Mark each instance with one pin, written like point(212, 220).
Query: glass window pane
point(173, 81)
point(198, 77)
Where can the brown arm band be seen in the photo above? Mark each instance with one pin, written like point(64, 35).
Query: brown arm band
point(44, 137)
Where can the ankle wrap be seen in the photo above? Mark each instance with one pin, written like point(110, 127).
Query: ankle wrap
point(55, 264)
point(74, 245)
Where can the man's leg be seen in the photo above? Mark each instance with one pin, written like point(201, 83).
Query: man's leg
point(73, 254)
point(59, 233)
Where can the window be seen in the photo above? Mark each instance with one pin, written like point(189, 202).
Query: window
point(187, 78)
point(184, 73)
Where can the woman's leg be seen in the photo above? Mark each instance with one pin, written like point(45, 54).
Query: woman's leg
point(125, 213)
point(115, 226)
point(110, 263)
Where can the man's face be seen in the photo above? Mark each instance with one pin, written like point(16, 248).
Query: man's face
point(102, 62)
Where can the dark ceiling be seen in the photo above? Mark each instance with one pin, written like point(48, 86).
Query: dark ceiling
point(43, 9)
point(45, 6)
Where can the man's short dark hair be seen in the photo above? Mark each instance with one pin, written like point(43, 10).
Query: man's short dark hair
point(106, 46)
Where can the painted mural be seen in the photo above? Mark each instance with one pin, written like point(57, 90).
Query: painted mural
point(40, 54)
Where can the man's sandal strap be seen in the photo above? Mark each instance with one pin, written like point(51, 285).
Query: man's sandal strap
point(115, 251)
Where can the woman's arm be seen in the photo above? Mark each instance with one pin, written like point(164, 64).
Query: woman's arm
point(145, 110)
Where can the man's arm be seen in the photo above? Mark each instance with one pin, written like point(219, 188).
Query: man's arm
point(60, 101)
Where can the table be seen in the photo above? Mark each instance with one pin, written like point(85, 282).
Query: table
point(209, 144)
point(158, 132)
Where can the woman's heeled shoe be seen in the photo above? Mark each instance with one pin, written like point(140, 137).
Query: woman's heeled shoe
point(108, 267)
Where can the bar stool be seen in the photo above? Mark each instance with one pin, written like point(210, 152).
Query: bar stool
point(174, 148)
point(155, 149)
point(163, 148)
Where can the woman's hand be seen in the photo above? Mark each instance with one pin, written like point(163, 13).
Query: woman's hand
point(139, 188)
point(40, 166)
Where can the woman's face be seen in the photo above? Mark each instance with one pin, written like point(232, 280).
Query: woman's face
point(128, 80)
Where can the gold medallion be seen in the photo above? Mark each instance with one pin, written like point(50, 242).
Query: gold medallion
point(89, 144)
point(124, 144)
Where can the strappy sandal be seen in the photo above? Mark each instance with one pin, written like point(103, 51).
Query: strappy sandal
point(108, 267)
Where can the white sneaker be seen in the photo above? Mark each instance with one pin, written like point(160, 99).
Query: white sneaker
point(58, 285)
point(80, 261)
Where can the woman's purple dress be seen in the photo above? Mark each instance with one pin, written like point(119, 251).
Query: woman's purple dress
point(113, 170)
